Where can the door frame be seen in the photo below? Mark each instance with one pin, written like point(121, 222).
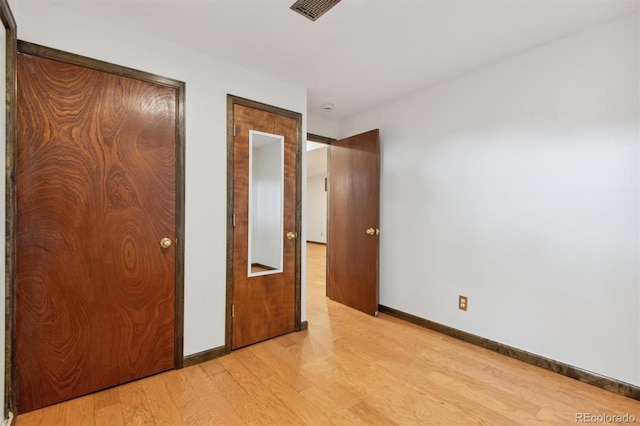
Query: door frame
point(11, 134)
point(11, 211)
point(231, 102)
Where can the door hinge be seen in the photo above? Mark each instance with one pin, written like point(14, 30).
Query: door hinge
point(233, 311)
point(233, 219)
point(234, 130)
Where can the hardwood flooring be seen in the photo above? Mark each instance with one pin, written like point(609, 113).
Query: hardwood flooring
point(347, 368)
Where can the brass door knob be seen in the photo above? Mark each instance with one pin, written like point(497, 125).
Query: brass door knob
point(165, 242)
point(291, 235)
point(371, 231)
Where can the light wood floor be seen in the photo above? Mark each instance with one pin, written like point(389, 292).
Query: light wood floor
point(348, 368)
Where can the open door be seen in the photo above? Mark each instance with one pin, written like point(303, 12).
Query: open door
point(353, 221)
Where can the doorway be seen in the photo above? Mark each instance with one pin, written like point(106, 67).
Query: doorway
point(352, 184)
point(317, 148)
point(263, 227)
point(316, 180)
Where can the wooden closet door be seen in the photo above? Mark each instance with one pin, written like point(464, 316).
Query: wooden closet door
point(263, 306)
point(96, 194)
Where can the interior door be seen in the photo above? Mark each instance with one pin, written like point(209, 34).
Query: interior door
point(265, 287)
point(96, 229)
point(353, 221)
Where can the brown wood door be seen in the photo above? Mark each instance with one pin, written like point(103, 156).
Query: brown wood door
point(96, 193)
point(263, 306)
point(353, 222)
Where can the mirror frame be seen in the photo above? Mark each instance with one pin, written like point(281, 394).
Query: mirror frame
point(278, 139)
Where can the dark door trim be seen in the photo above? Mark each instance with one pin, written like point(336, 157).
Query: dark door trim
point(235, 100)
point(179, 86)
point(11, 132)
point(320, 139)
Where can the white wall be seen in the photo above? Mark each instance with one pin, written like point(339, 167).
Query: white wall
point(316, 209)
point(208, 81)
point(517, 186)
point(323, 125)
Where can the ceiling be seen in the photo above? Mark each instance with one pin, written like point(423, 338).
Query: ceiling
point(362, 52)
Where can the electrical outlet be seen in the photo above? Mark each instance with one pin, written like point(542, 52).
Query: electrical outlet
point(463, 303)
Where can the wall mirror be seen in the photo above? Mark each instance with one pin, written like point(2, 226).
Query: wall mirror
point(266, 188)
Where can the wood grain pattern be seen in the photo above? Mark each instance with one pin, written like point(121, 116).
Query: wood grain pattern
point(353, 200)
point(96, 191)
point(179, 87)
point(264, 306)
point(350, 368)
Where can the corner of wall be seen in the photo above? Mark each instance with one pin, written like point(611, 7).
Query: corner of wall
point(323, 126)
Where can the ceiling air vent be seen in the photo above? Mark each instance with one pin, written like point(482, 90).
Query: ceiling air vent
point(313, 9)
